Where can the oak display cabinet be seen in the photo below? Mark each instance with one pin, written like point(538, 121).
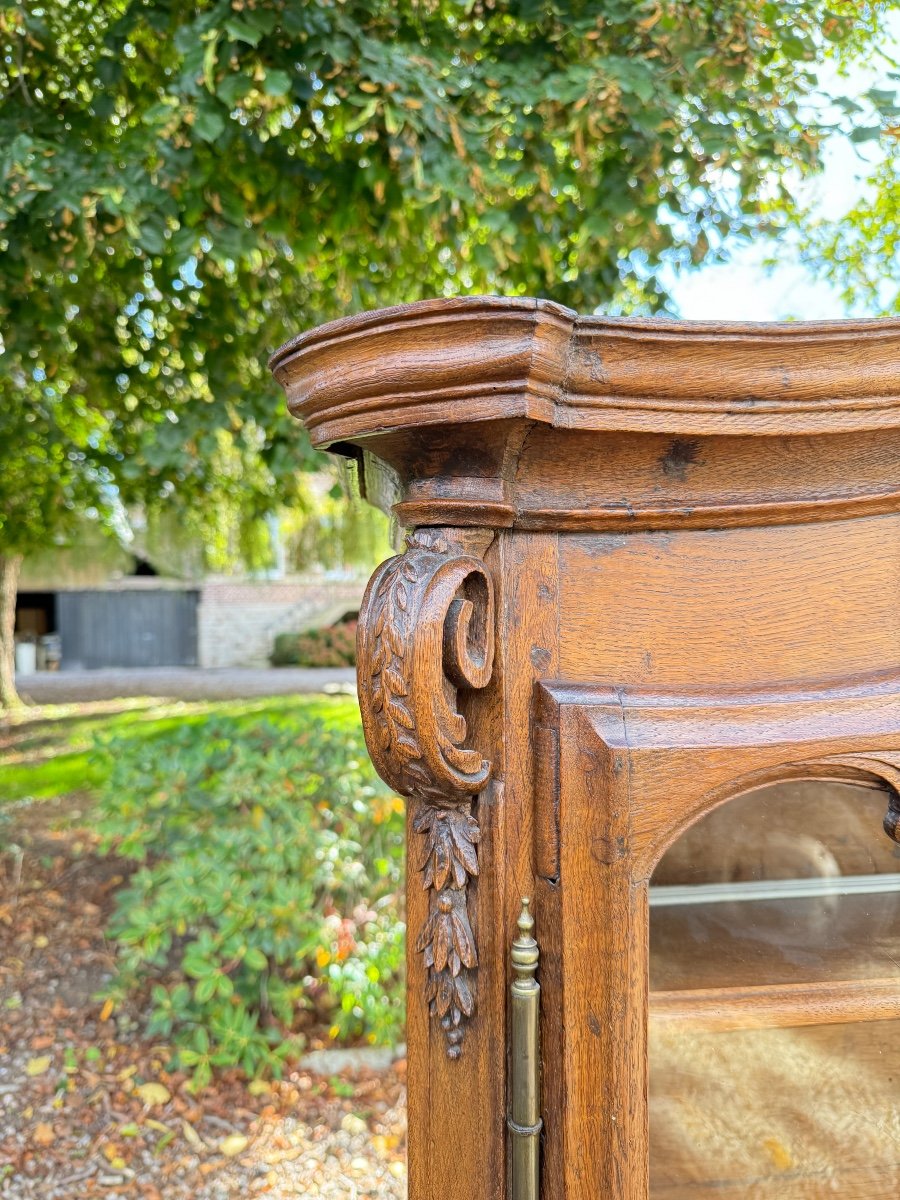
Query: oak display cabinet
point(639, 661)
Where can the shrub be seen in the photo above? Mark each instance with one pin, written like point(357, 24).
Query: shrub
point(330, 646)
point(269, 888)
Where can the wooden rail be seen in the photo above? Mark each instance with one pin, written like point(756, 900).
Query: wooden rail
point(781, 1005)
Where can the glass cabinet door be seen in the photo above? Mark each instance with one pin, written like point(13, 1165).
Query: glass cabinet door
point(774, 1032)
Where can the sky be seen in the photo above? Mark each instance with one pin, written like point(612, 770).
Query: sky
point(744, 289)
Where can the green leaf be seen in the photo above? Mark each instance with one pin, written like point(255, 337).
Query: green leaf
point(251, 27)
point(276, 83)
point(152, 234)
point(158, 113)
point(206, 988)
point(865, 133)
point(209, 123)
point(233, 88)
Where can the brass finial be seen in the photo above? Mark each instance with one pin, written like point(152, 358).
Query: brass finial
point(524, 954)
point(524, 1119)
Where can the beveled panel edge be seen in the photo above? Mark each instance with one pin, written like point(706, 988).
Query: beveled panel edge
point(478, 358)
point(556, 692)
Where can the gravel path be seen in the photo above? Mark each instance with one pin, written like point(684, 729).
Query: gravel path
point(183, 683)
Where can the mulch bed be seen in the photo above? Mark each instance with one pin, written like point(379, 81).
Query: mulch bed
point(88, 1107)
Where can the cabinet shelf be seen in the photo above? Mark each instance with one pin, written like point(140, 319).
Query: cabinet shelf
point(773, 1006)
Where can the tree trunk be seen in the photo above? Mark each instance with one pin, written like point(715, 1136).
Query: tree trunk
point(9, 580)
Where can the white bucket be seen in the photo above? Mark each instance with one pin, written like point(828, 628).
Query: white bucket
point(26, 658)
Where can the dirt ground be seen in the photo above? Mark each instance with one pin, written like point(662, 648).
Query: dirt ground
point(88, 1107)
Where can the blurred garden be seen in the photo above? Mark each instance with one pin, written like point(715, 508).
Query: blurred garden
point(199, 898)
point(193, 891)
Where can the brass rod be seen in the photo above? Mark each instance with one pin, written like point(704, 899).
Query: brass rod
point(524, 1120)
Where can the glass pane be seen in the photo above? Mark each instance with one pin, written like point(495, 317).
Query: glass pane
point(775, 1001)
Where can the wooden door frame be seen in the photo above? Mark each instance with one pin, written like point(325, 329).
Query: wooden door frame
point(621, 775)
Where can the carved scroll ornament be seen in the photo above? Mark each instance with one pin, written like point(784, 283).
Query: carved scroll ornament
point(426, 629)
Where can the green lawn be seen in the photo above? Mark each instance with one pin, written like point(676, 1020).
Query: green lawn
point(50, 750)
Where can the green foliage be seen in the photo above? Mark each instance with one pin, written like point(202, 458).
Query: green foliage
point(331, 525)
point(183, 184)
point(330, 646)
point(271, 860)
point(53, 750)
point(860, 249)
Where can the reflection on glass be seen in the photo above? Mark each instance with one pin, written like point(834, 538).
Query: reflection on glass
point(775, 1001)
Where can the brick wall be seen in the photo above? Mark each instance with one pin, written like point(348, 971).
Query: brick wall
point(237, 620)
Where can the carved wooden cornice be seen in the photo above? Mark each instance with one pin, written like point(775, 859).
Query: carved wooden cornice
point(426, 629)
point(514, 357)
point(472, 412)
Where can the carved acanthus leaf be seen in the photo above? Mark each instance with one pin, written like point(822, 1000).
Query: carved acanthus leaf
point(426, 629)
point(450, 838)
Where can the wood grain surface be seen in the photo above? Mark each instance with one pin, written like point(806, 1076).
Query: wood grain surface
point(686, 541)
point(779, 1005)
point(410, 366)
point(635, 609)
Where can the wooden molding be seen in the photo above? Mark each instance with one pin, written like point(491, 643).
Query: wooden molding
point(730, 743)
point(414, 364)
point(778, 1005)
point(426, 629)
point(485, 413)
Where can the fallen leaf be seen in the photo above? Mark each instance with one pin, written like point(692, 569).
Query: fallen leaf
point(353, 1124)
point(191, 1136)
point(163, 1141)
point(234, 1144)
point(43, 1134)
point(153, 1093)
point(37, 1066)
point(106, 1010)
point(113, 1155)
